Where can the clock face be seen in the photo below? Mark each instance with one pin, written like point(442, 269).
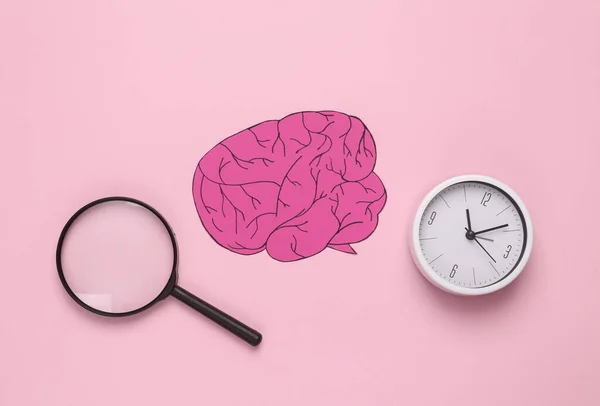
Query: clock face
point(472, 235)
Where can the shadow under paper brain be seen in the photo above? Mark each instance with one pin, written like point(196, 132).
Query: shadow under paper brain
point(293, 186)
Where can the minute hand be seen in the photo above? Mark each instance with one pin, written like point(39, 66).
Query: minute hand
point(491, 229)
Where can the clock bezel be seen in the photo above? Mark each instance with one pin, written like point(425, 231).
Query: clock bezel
point(447, 286)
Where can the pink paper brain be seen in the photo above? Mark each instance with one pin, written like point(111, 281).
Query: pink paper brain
point(292, 187)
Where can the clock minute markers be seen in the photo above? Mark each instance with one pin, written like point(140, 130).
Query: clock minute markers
point(503, 210)
point(435, 259)
point(495, 268)
point(445, 201)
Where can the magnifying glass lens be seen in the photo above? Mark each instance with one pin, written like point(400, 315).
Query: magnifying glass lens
point(117, 257)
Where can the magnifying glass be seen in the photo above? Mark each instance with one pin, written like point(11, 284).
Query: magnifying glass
point(117, 256)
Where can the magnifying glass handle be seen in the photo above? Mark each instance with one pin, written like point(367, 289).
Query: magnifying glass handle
point(238, 328)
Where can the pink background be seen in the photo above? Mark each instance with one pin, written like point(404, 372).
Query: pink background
point(124, 97)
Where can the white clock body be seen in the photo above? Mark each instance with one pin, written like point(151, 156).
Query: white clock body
point(451, 241)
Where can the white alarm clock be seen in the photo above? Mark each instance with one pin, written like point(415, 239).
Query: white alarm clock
point(471, 235)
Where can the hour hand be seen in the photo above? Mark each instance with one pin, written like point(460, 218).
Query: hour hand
point(468, 220)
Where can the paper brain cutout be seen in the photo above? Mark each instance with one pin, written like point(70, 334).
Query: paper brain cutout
point(293, 186)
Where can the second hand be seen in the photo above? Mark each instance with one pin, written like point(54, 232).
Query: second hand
point(483, 248)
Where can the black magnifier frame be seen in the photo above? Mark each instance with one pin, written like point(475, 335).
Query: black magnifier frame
point(234, 326)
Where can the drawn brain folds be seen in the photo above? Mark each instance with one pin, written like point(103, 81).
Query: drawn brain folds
point(293, 186)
